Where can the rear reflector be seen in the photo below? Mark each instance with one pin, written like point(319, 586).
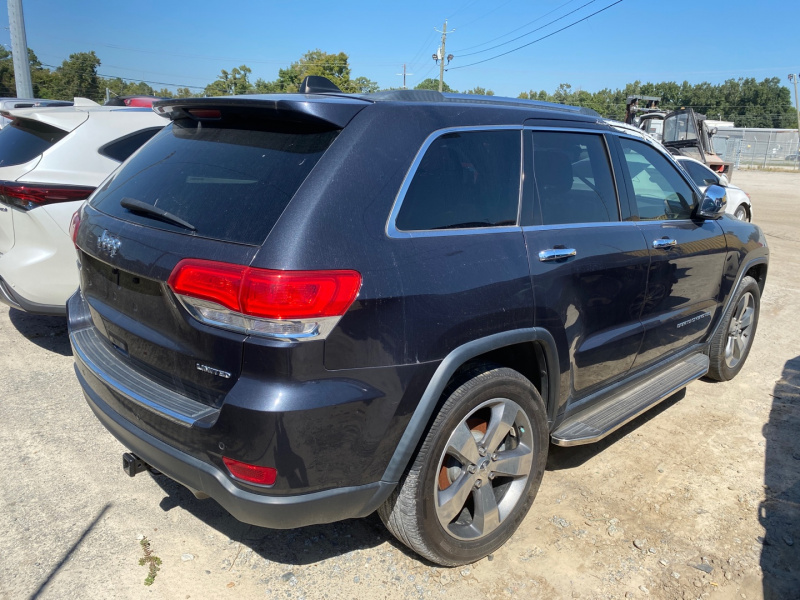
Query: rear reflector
point(250, 473)
point(265, 293)
point(30, 195)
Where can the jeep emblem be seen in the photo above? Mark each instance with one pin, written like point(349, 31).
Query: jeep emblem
point(108, 243)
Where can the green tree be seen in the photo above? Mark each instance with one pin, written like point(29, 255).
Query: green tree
point(433, 84)
point(233, 83)
point(77, 76)
point(7, 84)
point(479, 91)
point(316, 62)
point(364, 85)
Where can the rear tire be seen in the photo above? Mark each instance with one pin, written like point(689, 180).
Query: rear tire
point(477, 471)
point(731, 344)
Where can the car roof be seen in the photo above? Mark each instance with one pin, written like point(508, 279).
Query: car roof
point(338, 108)
point(67, 117)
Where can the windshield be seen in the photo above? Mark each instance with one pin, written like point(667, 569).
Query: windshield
point(679, 127)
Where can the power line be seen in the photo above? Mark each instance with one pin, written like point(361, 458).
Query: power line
point(495, 9)
point(530, 32)
point(516, 29)
point(196, 87)
point(537, 40)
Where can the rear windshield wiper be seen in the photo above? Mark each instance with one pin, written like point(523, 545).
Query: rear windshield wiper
point(137, 206)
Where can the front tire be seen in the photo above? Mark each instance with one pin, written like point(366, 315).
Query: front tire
point(477, 472)
point(731, 344)
point(741, 213)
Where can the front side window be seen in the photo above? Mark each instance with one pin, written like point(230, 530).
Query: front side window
point(661, 192)
point(573, 178)
point(465, 179)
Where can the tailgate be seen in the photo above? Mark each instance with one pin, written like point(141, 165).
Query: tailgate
point(123, 280)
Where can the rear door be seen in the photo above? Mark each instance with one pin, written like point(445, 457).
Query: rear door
point(687, 255)
point(588, 262)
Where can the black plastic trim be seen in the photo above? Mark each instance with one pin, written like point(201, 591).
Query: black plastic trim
point(7, 296)
point(424, 411)
point(276, 512)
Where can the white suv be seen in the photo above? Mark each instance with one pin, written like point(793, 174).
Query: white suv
point(51, 159)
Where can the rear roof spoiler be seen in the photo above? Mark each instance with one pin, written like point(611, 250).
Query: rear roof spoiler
point(333, 111)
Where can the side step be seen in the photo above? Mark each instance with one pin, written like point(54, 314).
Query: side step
point(598, 420)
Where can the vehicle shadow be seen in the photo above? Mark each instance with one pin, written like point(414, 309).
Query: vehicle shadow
point(300, 546)
point(571, 457)
point(779, 513)
point(49, 333)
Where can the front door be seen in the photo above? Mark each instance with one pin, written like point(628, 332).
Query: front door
point(687, 255)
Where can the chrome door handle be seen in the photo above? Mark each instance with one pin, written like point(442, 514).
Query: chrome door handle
point(664, 243)
point(556, 254)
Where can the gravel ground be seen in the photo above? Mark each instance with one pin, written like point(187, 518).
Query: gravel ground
point(699, 498)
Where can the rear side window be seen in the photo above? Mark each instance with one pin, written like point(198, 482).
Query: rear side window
point(573, 178)
point(230, 182)
point(121, 148)
point(465, 179)
point(24, 139)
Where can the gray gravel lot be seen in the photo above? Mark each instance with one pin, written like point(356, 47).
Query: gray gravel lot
point(698, 498)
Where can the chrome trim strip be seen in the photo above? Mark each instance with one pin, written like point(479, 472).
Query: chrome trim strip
point(527, 228)
point(128, 393)
point(394, 233)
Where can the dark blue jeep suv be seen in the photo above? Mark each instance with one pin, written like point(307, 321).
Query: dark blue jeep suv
point(313, 306)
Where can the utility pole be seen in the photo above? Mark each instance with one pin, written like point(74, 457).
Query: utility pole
point(404, 76)
point(19, 49)
point(439, 56)
point(793, 78)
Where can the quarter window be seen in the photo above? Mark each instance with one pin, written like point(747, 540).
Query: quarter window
point(573, 178)
point(465, 179)
point(661, 192)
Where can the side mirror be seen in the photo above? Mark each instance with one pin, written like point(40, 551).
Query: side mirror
point(723, 180)
point(713, 204)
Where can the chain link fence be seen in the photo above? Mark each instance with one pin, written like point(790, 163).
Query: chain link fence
point(758, 148)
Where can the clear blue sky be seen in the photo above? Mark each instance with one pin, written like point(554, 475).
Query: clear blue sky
point(184, 43)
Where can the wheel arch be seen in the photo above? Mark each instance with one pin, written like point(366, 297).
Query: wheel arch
point(531, 351)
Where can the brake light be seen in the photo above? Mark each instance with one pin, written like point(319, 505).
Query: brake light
point(250, 473)
point(265, 301)
point(30, 195)
point(74, 223)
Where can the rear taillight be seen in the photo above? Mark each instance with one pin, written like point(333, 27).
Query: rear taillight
point(74, 224)
point(283, 304)
point(250, 473)
point(30, 195)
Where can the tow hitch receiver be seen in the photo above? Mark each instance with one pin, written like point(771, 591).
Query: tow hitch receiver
point(133, 465)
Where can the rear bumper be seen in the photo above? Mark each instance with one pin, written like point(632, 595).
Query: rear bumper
point(7, 296)
point(276, 512)
point(329, 457)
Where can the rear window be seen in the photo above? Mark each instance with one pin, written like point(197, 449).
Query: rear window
point(24, 139)
point(230, 183)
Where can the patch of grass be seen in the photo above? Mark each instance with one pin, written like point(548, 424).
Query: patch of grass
point(151, 560)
